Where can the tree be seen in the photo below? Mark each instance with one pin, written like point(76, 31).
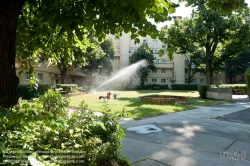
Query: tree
point(105, 16)
point(143, 53)
point(224, 6)
point(202, 34)
point(109, 49)
point(101, 55)
point(178, 39)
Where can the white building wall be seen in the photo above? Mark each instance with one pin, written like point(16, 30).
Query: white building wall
point(179, 69)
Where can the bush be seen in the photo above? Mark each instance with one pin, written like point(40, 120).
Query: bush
point(184, 86)
point(36, 129)
point(151, 86)
point(43, 88)
point(27, 91)
point(202, 90)
point(69, 88)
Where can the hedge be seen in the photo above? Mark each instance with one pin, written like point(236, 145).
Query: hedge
point(69, 88)
point(151, 86)
point(233, 86)
point(202, 88)
point(184, 86)
point(27, 91)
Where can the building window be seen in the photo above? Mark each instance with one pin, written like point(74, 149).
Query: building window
point(186, 71)
point(40, 77)
point(163, 61)
point(154, 71)
point(163, 80)
point(194, 81)
point(154, 80)
point(163, 44)
point(202, 81)
point(186, 80)
point(155, 51)
point(135, 50)
point(145, 41)
point(201, 74)
point(40, 61)
point(145, 80)
point(27, 76)
point(154, 42)
point(156, 60)
point(163, 70)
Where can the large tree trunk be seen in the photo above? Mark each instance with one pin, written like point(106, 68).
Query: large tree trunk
point(9, 12)
point(209, 72)
point(189, 71)
point(63, 72)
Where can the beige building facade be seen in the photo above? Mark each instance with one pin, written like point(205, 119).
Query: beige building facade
point(167, 71)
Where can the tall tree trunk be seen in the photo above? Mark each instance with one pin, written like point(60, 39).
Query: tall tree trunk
point(209, 72)
point(63, 74)
point(189, 71)
point(9, 12)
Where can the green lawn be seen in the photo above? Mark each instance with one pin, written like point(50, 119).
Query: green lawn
point(130, 101)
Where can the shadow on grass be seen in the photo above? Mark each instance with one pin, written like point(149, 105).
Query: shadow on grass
point(165, 90)
point(143, 110)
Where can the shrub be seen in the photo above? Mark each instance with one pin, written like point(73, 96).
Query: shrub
point(184, 86)
point(43, 88)
point(69, 88)
point(151, 86)
point(26, 91)
point(202, 90)
point(35, 129)
point(233, 86)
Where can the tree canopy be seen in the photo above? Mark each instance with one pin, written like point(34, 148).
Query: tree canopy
point(203, 34)
point(74, 17)
point(143, 53)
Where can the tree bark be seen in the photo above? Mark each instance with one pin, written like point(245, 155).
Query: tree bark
point(9, 12)
point(209, 72)
point(63, 72)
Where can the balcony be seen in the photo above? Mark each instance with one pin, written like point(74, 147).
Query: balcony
point(164, 65)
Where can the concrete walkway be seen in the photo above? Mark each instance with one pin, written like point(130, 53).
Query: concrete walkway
point(190, 138)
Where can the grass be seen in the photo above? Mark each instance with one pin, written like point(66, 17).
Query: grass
point(129, 104)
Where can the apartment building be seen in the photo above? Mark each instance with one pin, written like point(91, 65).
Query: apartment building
point(47, 73)
point(167, 71)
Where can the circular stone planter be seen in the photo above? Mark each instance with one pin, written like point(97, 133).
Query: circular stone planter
point(163, 99)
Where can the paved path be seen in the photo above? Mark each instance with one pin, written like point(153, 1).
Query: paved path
point(191, 138)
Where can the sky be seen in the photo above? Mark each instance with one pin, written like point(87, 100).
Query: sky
point(182, 11)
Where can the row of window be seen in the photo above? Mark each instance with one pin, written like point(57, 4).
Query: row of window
point(154, 80)
point(135, 50)
point(162, 70)
point(39, 76)
point(160, 61)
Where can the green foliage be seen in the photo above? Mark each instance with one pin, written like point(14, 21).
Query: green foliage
point(27, 91)
point(152, 86)
point(247, 74)
point(143, 53)
point(205, 34)
point(202, 90)
point(44, 126)
point(235, 87)
point(69, 88)
point(184, 86)
point(226, 6)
